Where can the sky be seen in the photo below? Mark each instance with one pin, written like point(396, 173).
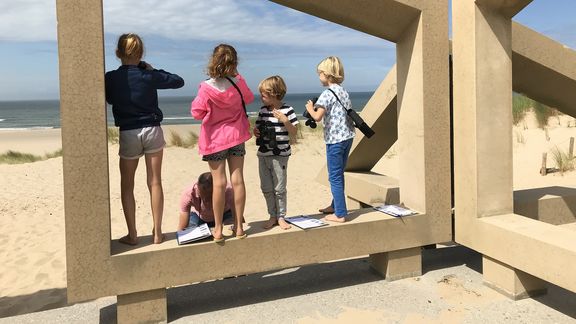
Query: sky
point(179, 36)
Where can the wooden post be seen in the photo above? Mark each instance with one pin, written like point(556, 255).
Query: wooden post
point(543, 168)
point(571, 148)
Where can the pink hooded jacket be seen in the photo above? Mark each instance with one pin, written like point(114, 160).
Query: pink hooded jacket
point(224, 123)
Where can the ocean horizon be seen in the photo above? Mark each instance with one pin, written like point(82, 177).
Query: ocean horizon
point(45, 114)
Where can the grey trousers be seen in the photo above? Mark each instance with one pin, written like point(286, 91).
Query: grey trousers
point(273, 171)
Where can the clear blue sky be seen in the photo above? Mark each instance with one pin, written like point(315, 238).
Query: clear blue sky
point(179, 35)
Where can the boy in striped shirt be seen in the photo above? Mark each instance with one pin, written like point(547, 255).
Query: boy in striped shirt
point(273, 161)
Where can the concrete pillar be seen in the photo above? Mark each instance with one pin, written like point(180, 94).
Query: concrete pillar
point(85, 146)
point(400, 264)
point(514, 283)
point(143, 307)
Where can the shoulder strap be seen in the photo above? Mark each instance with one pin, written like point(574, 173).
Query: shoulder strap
point(334, 93)
point(240, 92)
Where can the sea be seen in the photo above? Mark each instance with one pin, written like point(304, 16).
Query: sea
point(45, 114)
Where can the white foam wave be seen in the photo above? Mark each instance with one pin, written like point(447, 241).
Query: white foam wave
point(24, 129)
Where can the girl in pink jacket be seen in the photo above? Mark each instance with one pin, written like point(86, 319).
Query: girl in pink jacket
point(220, 104)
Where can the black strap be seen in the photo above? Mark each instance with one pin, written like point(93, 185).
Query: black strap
point(334, 93)
point(240, 92)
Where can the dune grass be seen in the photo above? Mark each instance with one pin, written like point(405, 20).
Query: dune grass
point(13, 157)
point(543, 113)
point(186, 142)
point(113, 135)
point(562, 159)
point(522, 104)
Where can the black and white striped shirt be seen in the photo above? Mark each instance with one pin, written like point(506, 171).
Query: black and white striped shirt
point(282, 136)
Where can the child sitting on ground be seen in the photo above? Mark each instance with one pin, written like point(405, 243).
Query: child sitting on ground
point(196, 204)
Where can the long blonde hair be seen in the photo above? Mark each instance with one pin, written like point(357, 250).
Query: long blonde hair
point(332, 68)
point(130, 46)
point(223, 62)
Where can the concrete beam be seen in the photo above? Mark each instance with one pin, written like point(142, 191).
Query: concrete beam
point(372, 188)
point(508, 8)
point(552, 205)
point(381, 114)
point(383, 19)
point(544, 69)
point(536, 248)
point(367, 232)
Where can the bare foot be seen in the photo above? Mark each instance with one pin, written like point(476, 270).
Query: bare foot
point(159, 239)
point(240, 232)
point(334, 218)
point(237, 233)
point(218, 237)
point(128, 240)
point(283, 223)
point(327, 210)
point(270, 223)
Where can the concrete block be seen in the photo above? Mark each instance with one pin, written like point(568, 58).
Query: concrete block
point(142, 307)
point(514, 283)
point(400, 264)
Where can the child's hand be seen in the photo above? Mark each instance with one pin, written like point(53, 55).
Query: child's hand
point(309, 105)
point(279, 115)
point(256, 132)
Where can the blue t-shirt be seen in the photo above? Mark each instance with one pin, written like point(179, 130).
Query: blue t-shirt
point(338, 127)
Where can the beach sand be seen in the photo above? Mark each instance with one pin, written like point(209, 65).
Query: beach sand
point(33, 269)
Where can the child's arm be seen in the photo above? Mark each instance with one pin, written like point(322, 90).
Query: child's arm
point(199, 106)
point(166, 80)
point(291, 128)
point(317, 114)
point(185, 207)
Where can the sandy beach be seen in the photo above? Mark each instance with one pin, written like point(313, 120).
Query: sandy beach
point(33, 271)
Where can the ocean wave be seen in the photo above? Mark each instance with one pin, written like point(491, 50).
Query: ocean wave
point(1, 120)
point(177, 118)
point(12, 129)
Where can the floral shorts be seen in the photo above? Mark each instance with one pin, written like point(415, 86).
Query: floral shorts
point(238, 150)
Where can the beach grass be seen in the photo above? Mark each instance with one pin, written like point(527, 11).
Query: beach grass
point(543, 113)
point(520, 106)
point(113, 135)
point(563, 161)
point(13, 157)
point(186, 142)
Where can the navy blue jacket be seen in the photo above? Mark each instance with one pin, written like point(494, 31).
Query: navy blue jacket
point(132, 93)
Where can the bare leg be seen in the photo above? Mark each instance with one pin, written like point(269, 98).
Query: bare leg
point(127, 172)
point(218, 170)
point(236, 165)
point(154, 181)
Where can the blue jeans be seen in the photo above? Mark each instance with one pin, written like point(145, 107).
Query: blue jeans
point(337, 155)
point(195, 220)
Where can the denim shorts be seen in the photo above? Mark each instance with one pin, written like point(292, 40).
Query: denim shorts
point(195, 220)
point(238, 150)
